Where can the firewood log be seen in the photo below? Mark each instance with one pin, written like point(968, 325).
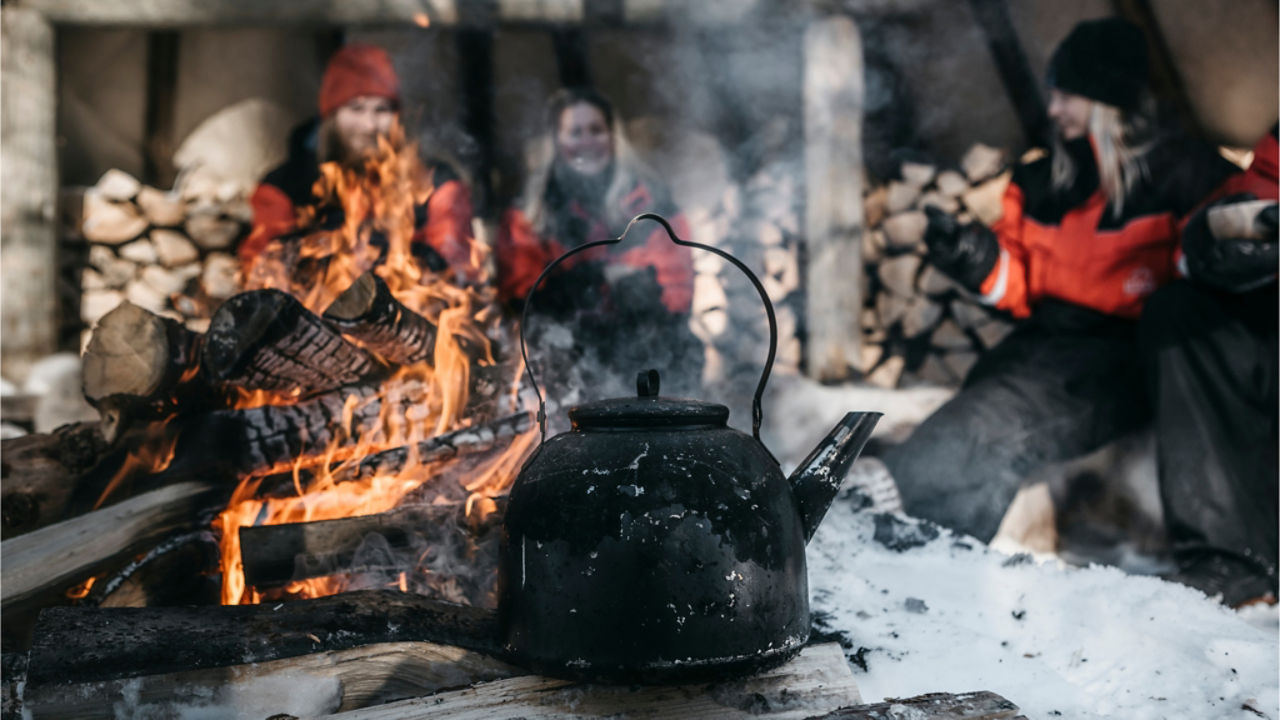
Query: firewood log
point(952, 184)
point(39, 472)
point(368, 313)
point(266, 340)
point(905, 231)
point(117, 185)
point(110, 222)
point(917, 174)
point(985, 201)
point(902, 197)
point(899, 274)
point(981, 162)
point(161, 208)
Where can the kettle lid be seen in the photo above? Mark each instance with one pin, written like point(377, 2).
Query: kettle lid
point(647, 410)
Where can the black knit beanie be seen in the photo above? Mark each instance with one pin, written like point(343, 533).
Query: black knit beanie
point(1103, 60)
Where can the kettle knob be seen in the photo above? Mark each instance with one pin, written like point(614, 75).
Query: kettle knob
point(647, 383)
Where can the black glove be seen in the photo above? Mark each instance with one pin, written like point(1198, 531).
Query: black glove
point(966, 253)
point(635, 294)
point(1235, 264)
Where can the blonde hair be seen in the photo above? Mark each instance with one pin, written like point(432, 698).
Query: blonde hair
point(1121, 140)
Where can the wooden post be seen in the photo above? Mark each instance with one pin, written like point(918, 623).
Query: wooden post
point(28, 190)
point(833, 102)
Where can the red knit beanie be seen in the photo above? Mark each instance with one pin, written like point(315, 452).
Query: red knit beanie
point(355, 71)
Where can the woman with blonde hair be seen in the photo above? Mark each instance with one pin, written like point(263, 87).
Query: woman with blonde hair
point(1087, 235)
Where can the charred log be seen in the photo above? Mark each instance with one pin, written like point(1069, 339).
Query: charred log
point(368, 313)
point(266, 340)
point(38, 474)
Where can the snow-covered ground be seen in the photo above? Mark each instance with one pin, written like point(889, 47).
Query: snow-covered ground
point(924, 610)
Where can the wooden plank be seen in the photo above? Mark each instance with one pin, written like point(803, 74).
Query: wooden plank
point(28, 189)
point(84, 645)
point(303, 686)
point(982, 705)
point(834, 223)
point(818, 680)
point(66, 552)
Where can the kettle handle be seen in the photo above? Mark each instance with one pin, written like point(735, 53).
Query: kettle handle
point(756, 413)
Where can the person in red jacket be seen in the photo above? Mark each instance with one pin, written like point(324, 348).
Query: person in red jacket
point(1088, 233)
point(627, 303)
point(359, 102)
point(1210, 347)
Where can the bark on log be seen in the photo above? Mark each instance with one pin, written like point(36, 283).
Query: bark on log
point(266, 340)
point(134, 365)
point(79, 645)
point(370, 314)
point(318, 684)
point(61, 554)
point(817, 681)
point(39, 472)
point(982, 705)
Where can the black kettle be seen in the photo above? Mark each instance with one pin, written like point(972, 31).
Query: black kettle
point(654, 543)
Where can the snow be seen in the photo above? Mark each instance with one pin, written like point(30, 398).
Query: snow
point(953, 616)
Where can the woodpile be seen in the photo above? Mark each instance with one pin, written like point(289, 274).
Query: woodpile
point(918, 326)
point(168, 252)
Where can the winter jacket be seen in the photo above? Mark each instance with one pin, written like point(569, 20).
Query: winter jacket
point(522, 254)
point(1070, 245)
point(443, 223)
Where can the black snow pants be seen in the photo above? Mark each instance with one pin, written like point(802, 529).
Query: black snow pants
point(1063, 384)
point(1213, 367)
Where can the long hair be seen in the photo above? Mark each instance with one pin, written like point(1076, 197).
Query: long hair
point(627, 169)
point(1121, 139)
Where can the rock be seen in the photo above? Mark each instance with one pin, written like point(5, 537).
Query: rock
point(920, 316)
point(960, 363)
point(986, 200)
point(162, 208)
point(109, 222)
point(56, 381)
point(981, 162)
point(141, 252)
point(916, 174)
point(950, 336)
point(905, 231)
point(219, 277)
point(875, 206)
point(211, 232)
point(933, 281)
point(117, 186)
point(887, 373)
point(951, 183)
point(993, 332)
point(945, 203)
point(899, 274)
point(890, 308)
point(96, 303)
point(115, 272)
point(145, 296)
point(902, 196)
point(165, 282)
point(173, 248)
point(969, 314)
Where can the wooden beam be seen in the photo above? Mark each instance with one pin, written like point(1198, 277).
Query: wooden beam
point(834, 223)
point(162, 81)
point(316, 684)
point(28, 189)
point(66, 552)
point(476, 84)
point(1165, 78)
point(816, 681)
point(1020, 84)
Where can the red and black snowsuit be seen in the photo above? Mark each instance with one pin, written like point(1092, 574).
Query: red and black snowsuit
point(1068, 379)
point(442, 237)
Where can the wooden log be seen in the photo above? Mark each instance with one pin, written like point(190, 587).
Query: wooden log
point(368, 313)
point(266, 340)
point(81, 644)
point(899, 274)
point(134, 366)
point(28, 189)
point(66, 552)
point(902, 196)
point(443, 447)
point(833, 100)
point(981, 162)
point(982, 705)
point(816, 681)
point(317, 684)
point(39, 472)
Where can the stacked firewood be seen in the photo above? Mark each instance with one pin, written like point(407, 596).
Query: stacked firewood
point(917, 324)
point(168, 252)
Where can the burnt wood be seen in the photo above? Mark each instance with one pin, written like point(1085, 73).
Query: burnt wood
point(368, 313)
point(982, 705)
point(267, 340)
point(78, 645)
point(38, 474)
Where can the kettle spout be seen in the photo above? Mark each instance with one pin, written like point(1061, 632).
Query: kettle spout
point(817, 480)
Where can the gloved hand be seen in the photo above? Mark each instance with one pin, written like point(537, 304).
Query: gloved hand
point(1233, 256)
point(635, 291)
point(966, 253)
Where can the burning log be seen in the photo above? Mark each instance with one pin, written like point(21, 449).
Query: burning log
point(277, 554)
point(58, 555)
point(443, 447)
point(370, 314)
point(134, 364)
point(266, 340)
